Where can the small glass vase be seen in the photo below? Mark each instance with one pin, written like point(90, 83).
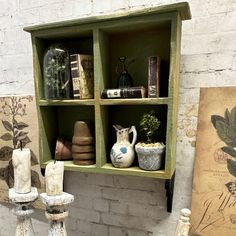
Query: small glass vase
point(56, 73)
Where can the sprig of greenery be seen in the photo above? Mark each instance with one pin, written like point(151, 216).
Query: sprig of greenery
point(149, 124)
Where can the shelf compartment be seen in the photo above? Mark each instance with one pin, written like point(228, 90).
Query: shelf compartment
point(76, 43)
point(58, 122)
point(136, 40)
point(70, 102)
point(126, 116)
point(134, 101)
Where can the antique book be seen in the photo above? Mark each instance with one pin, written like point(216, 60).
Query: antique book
point(154, 76)
point(82, 76)
point(130, 92)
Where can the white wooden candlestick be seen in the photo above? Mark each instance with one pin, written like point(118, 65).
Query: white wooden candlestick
point(54, 178)
point(183, 223)
point(22, 172)
point(23, 210)
point(57, 212)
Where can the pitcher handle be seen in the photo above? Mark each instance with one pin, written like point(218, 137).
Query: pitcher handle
point(133, 129)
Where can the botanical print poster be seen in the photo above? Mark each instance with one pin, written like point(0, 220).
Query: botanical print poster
point(18, 124)
point(214, 184)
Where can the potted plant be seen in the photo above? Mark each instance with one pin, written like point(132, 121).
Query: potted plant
point(149, 153)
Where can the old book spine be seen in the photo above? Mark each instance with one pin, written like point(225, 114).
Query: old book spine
point(131, 92)
point(75, 75)
point(82, 76)
point(154, 76)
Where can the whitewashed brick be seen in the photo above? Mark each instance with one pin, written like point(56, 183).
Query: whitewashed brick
point(118, 5)
point(83, 226)
point(198, 8)
point(71, 223)
point(134, 209)
point(234, 62)
point(208, 79)
point(220, 61)
point(100, 179)
point(100, 205)
point(99, 229)
point(131, 195)
point(129, 222)
point(188, 27)
point(115, 231)
point(130, 182)
point(206, 25)
point(217, 6)
point(100, 6)
point(194, 63)
point(84, 202)
point(189, 96)
point(31, 4)
point(85, 215)
point(227, 22)
point(200, 44)
point(49, 13)
point(227, 41)
point(81, 8)
point(27, 17)
point(7, 7)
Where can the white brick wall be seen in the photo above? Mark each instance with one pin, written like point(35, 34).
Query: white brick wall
point(107, 205)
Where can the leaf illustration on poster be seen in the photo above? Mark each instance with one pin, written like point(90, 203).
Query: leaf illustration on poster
point(214, 184)
point(15, 118)
point(226, 130)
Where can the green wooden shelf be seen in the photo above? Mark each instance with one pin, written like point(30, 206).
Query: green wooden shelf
point(137, 34)
point(109, 169)
point(69, 102)
point(134, 101)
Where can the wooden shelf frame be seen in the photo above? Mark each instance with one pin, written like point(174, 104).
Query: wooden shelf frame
point(99, 32)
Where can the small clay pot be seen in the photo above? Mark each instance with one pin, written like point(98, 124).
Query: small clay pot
point(83, 156)
point(82, 149)
point(63, 149)
point(84, 162)
point(82, 140)
point(83, 129)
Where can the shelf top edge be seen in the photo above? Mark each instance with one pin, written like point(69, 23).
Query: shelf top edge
point(182, 7)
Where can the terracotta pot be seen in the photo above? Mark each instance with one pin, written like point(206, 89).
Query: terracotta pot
point(63, 149)
point(84, 162)
point(83, 156)
point(82, 140)
point(82, 149)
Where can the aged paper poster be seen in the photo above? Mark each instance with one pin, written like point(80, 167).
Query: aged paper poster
point(18, 123)
point(214, 184)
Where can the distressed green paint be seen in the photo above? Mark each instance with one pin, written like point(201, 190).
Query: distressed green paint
point(139, 34)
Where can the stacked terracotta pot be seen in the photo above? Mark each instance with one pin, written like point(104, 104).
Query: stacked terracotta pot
point(83, 150)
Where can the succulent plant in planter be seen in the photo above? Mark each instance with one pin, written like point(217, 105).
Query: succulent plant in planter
point(149, 153)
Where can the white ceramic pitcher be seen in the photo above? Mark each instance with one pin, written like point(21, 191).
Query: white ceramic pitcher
point(122, 153)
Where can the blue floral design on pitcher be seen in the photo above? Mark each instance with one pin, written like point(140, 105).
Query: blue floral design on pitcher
point(123, 150)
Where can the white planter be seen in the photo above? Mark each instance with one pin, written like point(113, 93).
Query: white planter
point(150, 158)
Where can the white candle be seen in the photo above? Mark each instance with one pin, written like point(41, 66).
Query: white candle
point(54, 178)
point(22, 172)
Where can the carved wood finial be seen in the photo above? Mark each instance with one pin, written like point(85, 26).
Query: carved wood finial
point(183, 223)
